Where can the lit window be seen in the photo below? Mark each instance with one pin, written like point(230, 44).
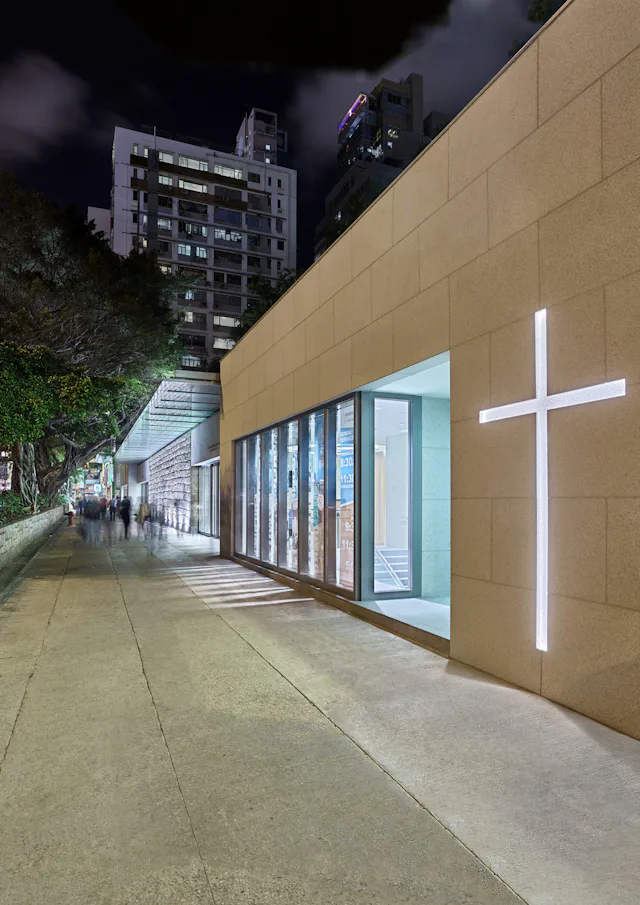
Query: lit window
point(165, 157)
point(392, 133)
point(267, 160)
point(227, 235)
point(191, 186)
point(166, 269)
point(184, 249)
point(165, 180)
point(220, 320)
point(146, 152)
point(229, 172)
point(188, 316)
point(193, 163)
point(163, 223)
point(189, 295)
point(267, 147)
point(201, 252)
point(219, 343)
point(135, 149)
point(190, 361)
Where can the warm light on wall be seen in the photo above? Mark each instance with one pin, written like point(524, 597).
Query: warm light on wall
point(540, 406)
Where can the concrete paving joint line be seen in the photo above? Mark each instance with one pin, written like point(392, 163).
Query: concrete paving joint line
point(360, 748)
point(35, 663)
point(161, 727)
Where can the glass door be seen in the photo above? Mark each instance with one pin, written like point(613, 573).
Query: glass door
point(204, 519)
point(392, 496)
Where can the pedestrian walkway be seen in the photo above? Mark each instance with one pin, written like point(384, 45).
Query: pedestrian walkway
point(176, 729)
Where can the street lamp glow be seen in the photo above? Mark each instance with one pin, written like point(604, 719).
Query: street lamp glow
point(540, 406)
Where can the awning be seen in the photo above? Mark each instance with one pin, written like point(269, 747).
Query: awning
point(177, 406)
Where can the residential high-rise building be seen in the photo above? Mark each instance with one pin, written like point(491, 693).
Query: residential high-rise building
point(379, 135)
point(219, 217)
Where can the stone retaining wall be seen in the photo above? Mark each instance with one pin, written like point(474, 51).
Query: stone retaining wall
point(17, 537)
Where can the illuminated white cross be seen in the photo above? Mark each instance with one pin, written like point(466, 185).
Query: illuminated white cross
point(540, 406)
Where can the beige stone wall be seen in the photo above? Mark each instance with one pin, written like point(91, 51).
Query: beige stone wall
point(530, 199)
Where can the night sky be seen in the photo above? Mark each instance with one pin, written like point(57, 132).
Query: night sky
point(67, 79)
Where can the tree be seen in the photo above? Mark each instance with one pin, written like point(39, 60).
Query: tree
point(266, 294)
point(542, 10)
point(87, 334)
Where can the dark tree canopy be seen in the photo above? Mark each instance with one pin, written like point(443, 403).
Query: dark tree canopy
point(87, 334)
point(266, 294)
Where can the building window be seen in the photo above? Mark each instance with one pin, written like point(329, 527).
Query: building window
point(190, 361)
point(192, 229)
point(165, 249)
point(279, 265)
point(164, 223)
point(146, 152)
point(280, 245)
point(269, 180)
point(192, 186)
point(227, 235)
point(279, 183)
point(188, 317)
point(201, 252)
point(220, 343)
point(135, 149)
point(253, 261)
point(193, 163)
point(163, 201)
point(253, 241)
point(234, 279)
point(267, 160)
point(134, 217)
point(221, 320)
point(135, 194)
point(189, 295)
point(229, 172)
point(228, 259)
point(166, 269)
point(279, 226)
point(279, 205)
point(184, 249)
point(254, 177)
point(164, 180)
point(165, 157)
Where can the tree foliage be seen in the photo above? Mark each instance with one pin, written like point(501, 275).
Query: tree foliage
point(266, 294)
point(87, 334)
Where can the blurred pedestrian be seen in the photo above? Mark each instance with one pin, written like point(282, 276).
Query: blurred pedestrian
point(92, 521)
point(125, 515)
point(112, 509)
point(103, 507)
point(141, 518)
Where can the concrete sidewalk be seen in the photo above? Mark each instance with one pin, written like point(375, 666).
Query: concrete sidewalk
point(177, 729)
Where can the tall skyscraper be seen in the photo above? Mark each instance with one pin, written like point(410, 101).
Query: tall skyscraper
point(218, 216)
point(379, 135)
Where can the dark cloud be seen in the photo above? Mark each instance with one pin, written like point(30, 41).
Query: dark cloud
point(40, 105)
point(456, 60)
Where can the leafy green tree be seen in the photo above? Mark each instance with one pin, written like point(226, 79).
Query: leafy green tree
point(87, 335)
point(266, 293)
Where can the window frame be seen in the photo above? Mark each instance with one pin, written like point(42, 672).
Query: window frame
point(241, 515)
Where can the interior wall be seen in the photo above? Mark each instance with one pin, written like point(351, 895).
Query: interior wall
point(436, 498)
point(529, 199)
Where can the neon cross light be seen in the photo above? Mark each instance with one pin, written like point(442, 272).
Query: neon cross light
point(540, 406)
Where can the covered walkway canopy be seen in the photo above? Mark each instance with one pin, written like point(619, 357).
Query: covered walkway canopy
point(178, 405)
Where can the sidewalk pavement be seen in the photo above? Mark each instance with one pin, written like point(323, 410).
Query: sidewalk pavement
point(176, 729)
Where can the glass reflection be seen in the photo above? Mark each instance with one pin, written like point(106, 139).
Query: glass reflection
point(345, 484)
point(316, 495)
point(291, 554)
point(271, 489)
point(253, 496)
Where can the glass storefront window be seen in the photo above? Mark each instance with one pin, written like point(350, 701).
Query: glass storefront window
point(204, 499)
point(240, 494)
point(295, 504)
point(270, 495)
point(316, 495)
point(345, 486)
point(253, 497)
point(392, 550)
point(288, 557)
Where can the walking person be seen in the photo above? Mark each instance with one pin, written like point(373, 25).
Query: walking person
point(92, 516)
point(125, 515)
point(142, 516)
point(112, 509)
point(103, 507)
